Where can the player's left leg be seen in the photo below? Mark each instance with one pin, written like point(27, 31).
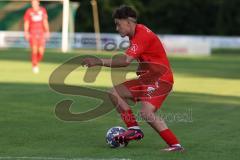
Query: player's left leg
point(148, 114)
point(40, 54)
point(41, 48)
point(119, 95)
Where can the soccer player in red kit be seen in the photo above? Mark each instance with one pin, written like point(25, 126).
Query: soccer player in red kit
point(36, 31)
point(150, 88)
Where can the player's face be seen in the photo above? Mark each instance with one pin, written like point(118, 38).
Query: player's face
point(123, 27)
point(35, 4)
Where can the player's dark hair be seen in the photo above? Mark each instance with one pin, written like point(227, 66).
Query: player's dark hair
point(125, 12)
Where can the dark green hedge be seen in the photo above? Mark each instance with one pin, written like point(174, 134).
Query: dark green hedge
point(195, 17)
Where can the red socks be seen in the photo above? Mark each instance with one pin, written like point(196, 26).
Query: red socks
point(169, 137)
point(34, 60)
point(130, 121)
point(40, 57)
point(129, 118)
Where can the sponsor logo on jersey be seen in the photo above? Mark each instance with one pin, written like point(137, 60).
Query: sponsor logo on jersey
point(134, 48)
point(36, 17)
point(150, 90)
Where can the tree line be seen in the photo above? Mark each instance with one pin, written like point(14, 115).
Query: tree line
point(191, 17)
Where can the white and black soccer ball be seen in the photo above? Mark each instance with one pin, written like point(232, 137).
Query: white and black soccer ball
point(111, 133)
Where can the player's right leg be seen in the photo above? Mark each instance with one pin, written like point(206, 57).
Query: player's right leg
point(34, 51)
point(148, 114)
point(119, 96)
point(35, 68)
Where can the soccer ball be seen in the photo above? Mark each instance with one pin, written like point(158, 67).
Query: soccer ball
point(111, 133)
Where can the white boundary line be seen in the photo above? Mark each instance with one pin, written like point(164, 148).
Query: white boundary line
point(56, 158)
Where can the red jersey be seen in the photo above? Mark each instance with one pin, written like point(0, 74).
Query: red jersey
point(145, 46)
point(35, 19)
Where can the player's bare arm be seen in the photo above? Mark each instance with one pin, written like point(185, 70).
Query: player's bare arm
point(119, 61)
point(26, 30)
point(46, 27)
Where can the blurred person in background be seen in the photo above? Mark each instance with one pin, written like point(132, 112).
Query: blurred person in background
point(36, 31)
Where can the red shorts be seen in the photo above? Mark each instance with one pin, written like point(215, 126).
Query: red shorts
point(152, 93)
point(37, 39)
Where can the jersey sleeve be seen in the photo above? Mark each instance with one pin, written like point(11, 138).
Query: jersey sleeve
point(136, 48)
point(27, 15)
point(45, 15)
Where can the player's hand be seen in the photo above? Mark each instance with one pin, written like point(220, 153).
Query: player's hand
point(47, 36)
point(26, 36)
point(90, 62)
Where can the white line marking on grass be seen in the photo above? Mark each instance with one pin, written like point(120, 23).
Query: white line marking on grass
point(56, 158)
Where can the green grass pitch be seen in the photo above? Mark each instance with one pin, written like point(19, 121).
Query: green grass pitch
point(206, 91)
